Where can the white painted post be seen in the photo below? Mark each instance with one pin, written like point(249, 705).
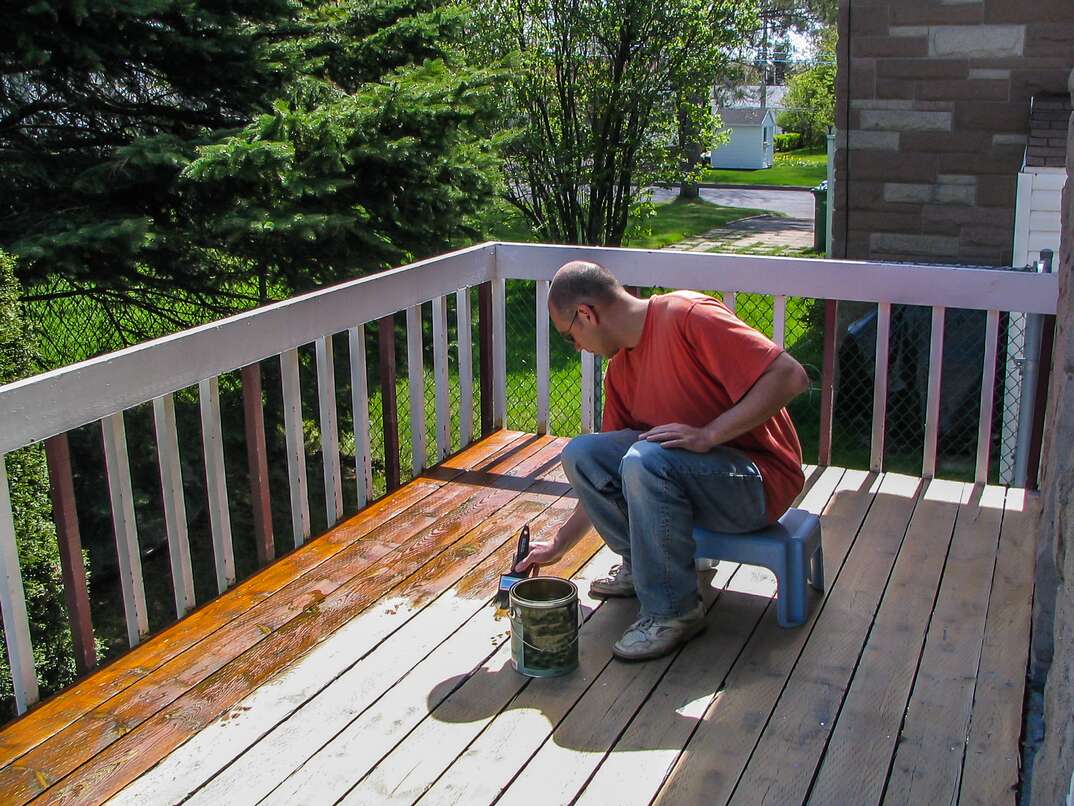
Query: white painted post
point(171, 482)
point(730, 299)
point(542, 356)
point(499, 354)
point(988, 383)
point(415, 366)
point(442, 388)
point(20, 654)
point(779, 320)
point(588, 402)
point(326, 398)
point(363, 462)
point(216, 483)
point(296, 448)
point(122, 499)
point(880, 386)
point(932, 410)
point(466, 372)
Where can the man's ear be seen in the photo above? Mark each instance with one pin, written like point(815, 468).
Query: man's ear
point(589, 312)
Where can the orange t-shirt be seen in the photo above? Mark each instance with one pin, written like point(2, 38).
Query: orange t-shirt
point(695, 360)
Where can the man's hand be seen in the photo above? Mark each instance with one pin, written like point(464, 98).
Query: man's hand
point(544, 552)
point(677, 435)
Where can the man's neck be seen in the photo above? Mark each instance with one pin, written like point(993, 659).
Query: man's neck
point(630, 321)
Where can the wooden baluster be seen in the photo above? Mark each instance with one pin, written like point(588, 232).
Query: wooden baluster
point(499, 354)
point(212, 438)
point(880, 386)
point(464, 339)
point(827, 382)
point(363, 467)
point(326, 399)
point(988, 388)
point(542, 357)
point(296, 447)
point(415, 367)
point(389, 406)
point(20, 653)
point(932, 406)
point(171, 484)
point(779, 320)
point(441, 381)
point(126, 530)
point(257, 460)
point(588, 401)
point(72, 566)
point(484, 334)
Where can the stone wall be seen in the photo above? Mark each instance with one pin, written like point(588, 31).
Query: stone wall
point(933, 117)
point(1053, 769)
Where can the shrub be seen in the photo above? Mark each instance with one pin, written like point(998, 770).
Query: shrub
point(39, 556)
point(788, 141)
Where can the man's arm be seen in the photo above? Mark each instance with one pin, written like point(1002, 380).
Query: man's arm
point(778, 385)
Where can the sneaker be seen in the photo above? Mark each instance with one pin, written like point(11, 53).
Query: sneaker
point(705, 564)
point(651, 638)
point(620, 583)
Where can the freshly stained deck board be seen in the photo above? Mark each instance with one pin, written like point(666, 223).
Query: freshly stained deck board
point(325, 698)
point(117, 745)
point(990, 770)
point(721, 746)
point(863, 741)
point(57, 712)
point(928, 761)
point(398, 684)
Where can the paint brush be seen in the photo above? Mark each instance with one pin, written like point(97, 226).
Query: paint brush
point(511, 577)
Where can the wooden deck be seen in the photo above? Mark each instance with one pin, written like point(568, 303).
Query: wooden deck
point(368, 667)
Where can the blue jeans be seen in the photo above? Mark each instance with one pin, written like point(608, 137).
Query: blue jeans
point(644, 501)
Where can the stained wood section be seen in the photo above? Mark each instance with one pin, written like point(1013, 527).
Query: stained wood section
point(379, 673)
point(388, 405)
point(485, 359)
point(257, 462)
point(76, 597)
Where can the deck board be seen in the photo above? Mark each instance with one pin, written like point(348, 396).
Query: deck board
point(379, 672)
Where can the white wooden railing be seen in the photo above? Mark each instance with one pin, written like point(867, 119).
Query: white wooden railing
point(99, 390)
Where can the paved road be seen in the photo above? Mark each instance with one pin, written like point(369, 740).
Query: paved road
point(793, 203)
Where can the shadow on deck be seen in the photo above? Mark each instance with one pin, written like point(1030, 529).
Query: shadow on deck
point(368, 666)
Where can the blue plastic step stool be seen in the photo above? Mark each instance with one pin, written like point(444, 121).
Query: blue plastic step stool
point(790, 549)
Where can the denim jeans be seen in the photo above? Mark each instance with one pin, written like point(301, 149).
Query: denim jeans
point(644, 501)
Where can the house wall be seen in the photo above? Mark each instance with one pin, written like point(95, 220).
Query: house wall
point(742, 150)
point(1052, 779)
point(932, 113)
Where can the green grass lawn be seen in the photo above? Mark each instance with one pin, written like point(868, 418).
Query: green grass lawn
point(805, 167)
point(671, 222)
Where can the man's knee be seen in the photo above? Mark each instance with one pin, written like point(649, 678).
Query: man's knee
point(643, 460)
point(578, 453)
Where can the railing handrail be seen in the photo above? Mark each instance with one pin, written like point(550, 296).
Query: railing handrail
point(895, 283)
point(57, 401)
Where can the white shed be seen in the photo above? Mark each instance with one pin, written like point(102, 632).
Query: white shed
point(752, 139)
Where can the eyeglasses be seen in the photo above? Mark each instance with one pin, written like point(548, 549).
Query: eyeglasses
point(566, 334)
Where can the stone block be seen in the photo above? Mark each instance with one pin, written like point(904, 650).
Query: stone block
point(956, 194)
point(956, 179)
point(969, 217)
point(923, 68)
point(913, 244)
point(976, 41)
point(968, 90)
point(886, 46)
point(989, 73)
point(881, 103)
point(993, 116)
point(908, 30)
point(917, 168)
point(1035, 11)
point(874, 140)
point(871, 221)
point(996, 191)
point(929, 14)
point(905, 120)
point(1008, 139)
point(1050, 40)
point(1029, 82)
point(896, 88)
point(907, 192)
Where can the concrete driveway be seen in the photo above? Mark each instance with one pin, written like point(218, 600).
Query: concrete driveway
point(792, 203)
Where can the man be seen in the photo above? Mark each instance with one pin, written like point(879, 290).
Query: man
point(694, 432)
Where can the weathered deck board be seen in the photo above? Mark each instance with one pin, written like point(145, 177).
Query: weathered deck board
point(397, 685)
point(56, 713)
point(863, 740)
point(928, 761)
point(990, 771)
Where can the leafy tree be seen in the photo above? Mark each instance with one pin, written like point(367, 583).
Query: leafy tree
point(163, 152)
point(810, 96)
point(39, 557)
point(604, 98)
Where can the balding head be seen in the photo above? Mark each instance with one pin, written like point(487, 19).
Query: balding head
point(581, 282)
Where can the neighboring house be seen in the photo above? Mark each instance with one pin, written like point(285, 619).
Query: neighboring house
point(751, 139)
point(749, 97)
point(933, 115)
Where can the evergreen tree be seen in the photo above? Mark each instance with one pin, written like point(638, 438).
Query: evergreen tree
point(160, 151)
